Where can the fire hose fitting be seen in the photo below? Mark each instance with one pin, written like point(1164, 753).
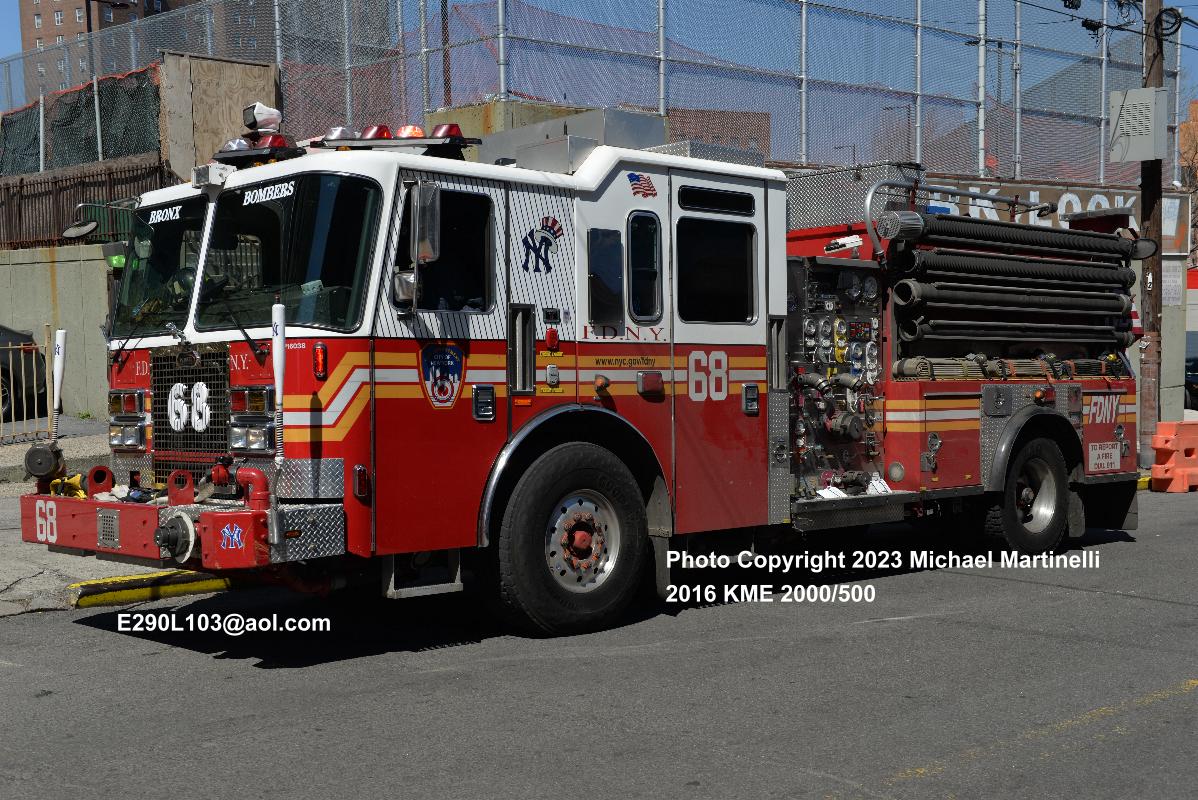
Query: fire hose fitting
point(814, 381)
point(253, 483)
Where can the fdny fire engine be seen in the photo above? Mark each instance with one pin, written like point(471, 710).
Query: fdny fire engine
point(369, 353)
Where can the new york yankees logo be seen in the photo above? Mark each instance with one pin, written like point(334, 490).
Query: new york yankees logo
point(539, 243)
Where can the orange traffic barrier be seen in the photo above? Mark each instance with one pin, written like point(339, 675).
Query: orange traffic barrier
point(1176, 465)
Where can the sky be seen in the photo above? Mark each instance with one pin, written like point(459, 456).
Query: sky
point(10, 27)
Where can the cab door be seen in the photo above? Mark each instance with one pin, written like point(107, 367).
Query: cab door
point(624, 339)
point(719, 328)
point(439, 377)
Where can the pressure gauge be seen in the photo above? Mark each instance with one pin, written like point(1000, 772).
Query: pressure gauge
point(871, 354)
point(869, 288)
point(856, 352)
point(855, 287)
point(825, 328)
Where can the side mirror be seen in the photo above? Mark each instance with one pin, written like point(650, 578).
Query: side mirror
point(424, 198)
point(80, 228)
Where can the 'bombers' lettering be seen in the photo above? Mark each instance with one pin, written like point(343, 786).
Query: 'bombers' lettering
point(164, 214)
point(276, 192)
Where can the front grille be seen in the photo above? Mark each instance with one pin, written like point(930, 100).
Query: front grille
point(187, 448)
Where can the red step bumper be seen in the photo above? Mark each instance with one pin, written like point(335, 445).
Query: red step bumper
point(229, 539)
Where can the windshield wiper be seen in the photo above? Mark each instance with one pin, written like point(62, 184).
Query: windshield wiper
point(258, 350)
point(137, 331)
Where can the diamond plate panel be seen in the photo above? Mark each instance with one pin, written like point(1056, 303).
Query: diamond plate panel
point(781, 478)
point(813, 515)
point(108, 528)
point(124, 463)
point(837, 196)
point(1016, 397)
point(322, 529)
point(311, 479)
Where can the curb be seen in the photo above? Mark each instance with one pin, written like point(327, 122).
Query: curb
point(125, 589)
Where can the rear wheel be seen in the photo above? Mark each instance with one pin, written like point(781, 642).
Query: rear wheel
point(1033, 509)
point(573, 540)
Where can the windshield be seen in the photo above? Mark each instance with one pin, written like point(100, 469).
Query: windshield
point(160, 268)
point(306, 240)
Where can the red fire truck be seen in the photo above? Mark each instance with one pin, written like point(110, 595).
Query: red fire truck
point(373, 354)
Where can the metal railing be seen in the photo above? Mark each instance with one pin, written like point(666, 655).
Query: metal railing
point(25, 390)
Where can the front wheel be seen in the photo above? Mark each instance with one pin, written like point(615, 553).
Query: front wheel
point(572, 544)
point(1033, 510)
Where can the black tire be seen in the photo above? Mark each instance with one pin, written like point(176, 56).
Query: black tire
point(1032, 512)
point(533, 576)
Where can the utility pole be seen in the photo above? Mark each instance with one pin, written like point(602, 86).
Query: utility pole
point(1150, 284)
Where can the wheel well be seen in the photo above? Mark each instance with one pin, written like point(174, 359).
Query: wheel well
point(1057, 429)
point(600, 428)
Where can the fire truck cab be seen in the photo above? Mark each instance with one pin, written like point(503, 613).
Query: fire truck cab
point(369, 356)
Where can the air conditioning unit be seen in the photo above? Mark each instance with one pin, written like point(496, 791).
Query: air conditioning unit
point(1139, 125)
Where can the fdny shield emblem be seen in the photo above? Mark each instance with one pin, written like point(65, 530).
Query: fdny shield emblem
point(441, 368)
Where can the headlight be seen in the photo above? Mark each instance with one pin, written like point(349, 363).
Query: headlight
point(256, 438)
point(115, 438)
point(256, 401)
point(238, 437)
point(114, 404)
point(131, 435)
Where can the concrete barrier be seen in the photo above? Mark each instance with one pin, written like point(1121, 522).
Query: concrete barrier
point(66, 287)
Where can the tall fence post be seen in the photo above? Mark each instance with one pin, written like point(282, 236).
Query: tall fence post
point(981, 88)
point(8, 84)
point(99, 128)
point(428, 100)
point(1017, 68)
point(918, 133)
point(661, 57)
point(1177, 110)
point(132, 45)
point(41, 132)
point(349, 92)
point(501, 55)
point(279, 38)
point(803, 152)
point(1103, 104)
point(402, 45)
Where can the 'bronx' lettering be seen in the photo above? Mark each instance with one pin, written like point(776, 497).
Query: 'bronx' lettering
point(164, 214)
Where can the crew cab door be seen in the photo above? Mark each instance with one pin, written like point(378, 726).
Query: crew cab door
point(440, 405)
point(719, 327)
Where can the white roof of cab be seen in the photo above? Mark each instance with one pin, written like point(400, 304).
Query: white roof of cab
point(181, 191)
point(382, 165)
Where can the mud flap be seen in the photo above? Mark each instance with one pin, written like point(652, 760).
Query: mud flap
point(1113, 506)
point(661, 568)
point(1075, 523)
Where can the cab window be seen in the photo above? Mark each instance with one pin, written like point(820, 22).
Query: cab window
point(461, 277)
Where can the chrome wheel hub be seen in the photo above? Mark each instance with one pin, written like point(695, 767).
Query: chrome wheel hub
point(582, 542)
point(1036, 495)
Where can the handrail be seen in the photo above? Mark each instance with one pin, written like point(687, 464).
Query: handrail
point(1013, 203)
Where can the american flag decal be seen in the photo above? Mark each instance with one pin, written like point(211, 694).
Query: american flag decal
point(642, 185)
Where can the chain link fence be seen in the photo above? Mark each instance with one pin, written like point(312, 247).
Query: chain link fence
point(1001, 88)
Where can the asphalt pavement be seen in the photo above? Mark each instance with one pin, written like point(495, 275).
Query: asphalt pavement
point(966, 683)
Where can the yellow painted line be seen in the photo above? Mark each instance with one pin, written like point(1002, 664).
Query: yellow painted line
point(144, 593)
point(919, 405)
point(953, 425)
point(1043, 737)
point(129, 578)
point(490, 360)
point(746, 362)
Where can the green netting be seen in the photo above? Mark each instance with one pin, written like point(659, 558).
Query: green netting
point(19, 142)
point(129, 113)
point(70, 128)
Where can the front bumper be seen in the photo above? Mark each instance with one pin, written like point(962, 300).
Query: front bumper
point(230, 535)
